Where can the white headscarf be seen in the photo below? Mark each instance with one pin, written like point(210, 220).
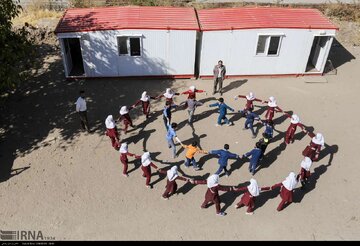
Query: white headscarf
point(169, 93)
point(272, 102)
point(295, 119)
point(124, 110)
point(145, 159)
point(250, 96)
point(253, 188)
point(192, 88)
point(290, 182)
point(123, 148)
point(109, 122)
point(172, 173)
point(306, 163)
point(213, 181)
point(144, 97)
point(318, 139)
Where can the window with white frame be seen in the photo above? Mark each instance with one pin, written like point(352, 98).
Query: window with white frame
point(268, 45)
point(130, 46)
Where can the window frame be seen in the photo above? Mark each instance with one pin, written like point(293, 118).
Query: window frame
point(267, 44)
point(128, 46)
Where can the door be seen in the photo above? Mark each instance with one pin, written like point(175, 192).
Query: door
point(73, 57)
point(318, 54)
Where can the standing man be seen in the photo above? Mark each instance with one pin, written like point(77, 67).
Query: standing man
point(82, 110)
point(219, 76)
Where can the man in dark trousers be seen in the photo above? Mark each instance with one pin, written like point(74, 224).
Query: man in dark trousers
point(219, 76)
point(82, 110)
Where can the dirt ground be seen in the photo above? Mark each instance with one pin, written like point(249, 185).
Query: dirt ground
point(69, 185)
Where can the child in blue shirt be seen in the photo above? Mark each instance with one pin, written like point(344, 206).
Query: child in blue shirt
point(250, 118)
point(255, 157)
point(223, 155)
point(223, 111)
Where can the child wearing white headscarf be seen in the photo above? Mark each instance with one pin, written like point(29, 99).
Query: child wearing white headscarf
point(313, 149)
point(286, 190)
point(124, 153)
point(145, 103)
point(146, 165)
point(171, 185)
point(250, 192)
point(169, 95)
point(212, 193)
point(294, 123)
point(111, 131)
point(272, 108)
point(192, 92)
point(305, 171)
point(250, 98)
point(125, 117)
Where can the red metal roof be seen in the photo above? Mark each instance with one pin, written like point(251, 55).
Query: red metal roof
point(129, 17)
point(262, 17)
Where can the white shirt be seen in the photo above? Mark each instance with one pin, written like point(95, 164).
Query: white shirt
point(80, 105)
point(220, 70)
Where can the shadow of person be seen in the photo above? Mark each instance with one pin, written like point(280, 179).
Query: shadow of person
point(265, 196)
point(205, 114)
point(143, 134)
point(188, 186)
point(281, 118)
point(237, 164)
point(262, 109)
point(318, 171)
point(234, 84)
point(229, 197)
point(271, 157)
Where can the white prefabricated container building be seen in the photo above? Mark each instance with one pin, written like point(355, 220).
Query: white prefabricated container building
point(128, 41)
point(264, 41)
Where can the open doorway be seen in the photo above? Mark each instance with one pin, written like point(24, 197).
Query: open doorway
point(73, 57)
point(318, 54)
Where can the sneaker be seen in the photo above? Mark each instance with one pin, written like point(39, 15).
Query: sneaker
point(236, 206)
point(253, 136)
point(229, 124)
point(244, 128)
point(227, 174)
point(196, 168)
point(125, 175)
point(251, 213)
point(253, 173)
point(165, 198)
point(186, 166)
point(221, 214)
point(217, 125)
point(149, 186)
point(169, 146)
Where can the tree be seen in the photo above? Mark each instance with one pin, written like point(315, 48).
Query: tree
point(15, 45)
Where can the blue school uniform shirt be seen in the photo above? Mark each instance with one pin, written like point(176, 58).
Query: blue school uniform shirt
point(269, 130)
point(222, 107)
point(255, 155)
point(224, 155)
point(170, 133)
point(167, 111)
point(250, 117)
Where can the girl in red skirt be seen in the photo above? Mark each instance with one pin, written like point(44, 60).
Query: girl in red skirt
point(212, 193)
point(145, 103)
point(313, 149)
point(111, 131)
point(171, 185)
point(125, 117)
point(124, 153)
point(305, 171)
point(169, 95)
point(286, 189)
point(248, 199)
point(294, 123)
point(272, 108)
point(250, 98)
point(146, 165)
point(192, 92)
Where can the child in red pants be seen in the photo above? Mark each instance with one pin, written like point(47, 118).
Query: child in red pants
point(212, 193)
point(146, 165)
point(248, 199)
point(111, 132)
point(171, 185)
point(124, 153)
point(286, 190)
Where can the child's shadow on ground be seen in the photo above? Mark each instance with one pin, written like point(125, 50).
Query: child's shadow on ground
point(229, 197)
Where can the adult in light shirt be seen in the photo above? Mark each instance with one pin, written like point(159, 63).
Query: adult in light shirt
point(219, 76)
point(82, 111)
